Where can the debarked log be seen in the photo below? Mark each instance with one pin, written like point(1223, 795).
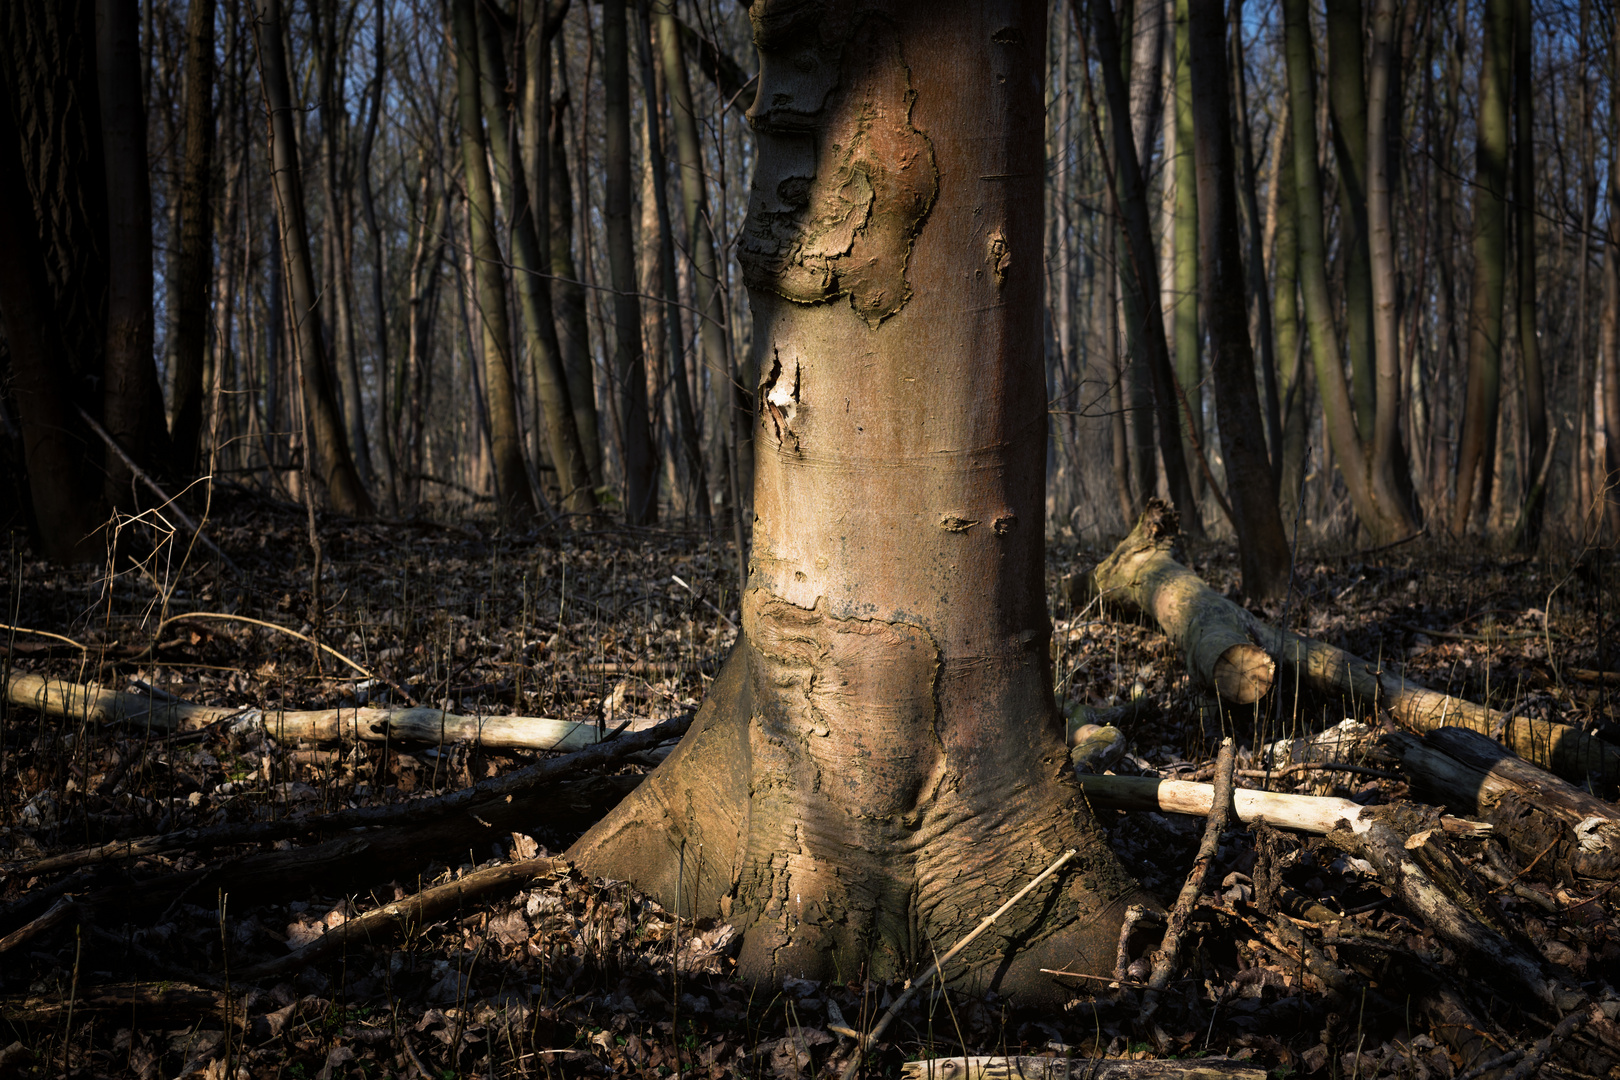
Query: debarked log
point(1545, 820)
point(93, 702)
point(1304, 813)
point(1142, 573)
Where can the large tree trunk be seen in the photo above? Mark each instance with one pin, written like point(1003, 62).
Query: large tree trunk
point(880, 763)
point(132, 402)
point(194, 261)
point(1262, 544)
point(323, 420)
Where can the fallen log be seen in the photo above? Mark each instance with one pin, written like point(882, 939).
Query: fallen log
point(1209, 629)
point(1317, 814)
point(90, 701)
point(1143, 574)
point(1542, 818)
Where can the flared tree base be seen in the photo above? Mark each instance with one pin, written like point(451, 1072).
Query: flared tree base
point(850, 853)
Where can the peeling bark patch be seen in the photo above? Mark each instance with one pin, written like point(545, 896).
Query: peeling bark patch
point(999, 258)
point(839, 199)
point(1004, 524)
point(956, 521)
point(782, 401)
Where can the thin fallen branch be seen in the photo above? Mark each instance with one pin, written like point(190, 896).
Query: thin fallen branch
point(149, 1000)
point(540, 774)
point(921, 981)
point(1168, 956)
point(1056, 1068)
point(1318, 814)
point(168, 500)
point(64, 910)
point(418, 724)
point(425, 907)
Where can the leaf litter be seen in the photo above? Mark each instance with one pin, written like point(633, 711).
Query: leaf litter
point(574, 977)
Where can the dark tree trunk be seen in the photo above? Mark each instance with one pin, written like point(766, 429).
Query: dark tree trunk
point(629, 358)
point(573, 328)
point(881, 760)
point(1250, 482)
point(194, 262)
point(132, 402)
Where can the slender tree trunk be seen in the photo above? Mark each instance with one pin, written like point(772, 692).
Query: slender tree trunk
point(193, 264)
point(1258, 287)
point(1524, 214)
point(1284, 227)
point(368, 205)
point(533, 287)
point(330, 449)
point(847, 794)
point(1347, 108)
point(573, 329)
point(685, 415)
point(1184, 282)
point(513, 496)
point(1610, 347)
point(1130, 204)
point(1385, 520)
point(1262, 544)
point(132, 401)
point(1477, 444)
point(629, 358)
point(1150, 38)
point(735, 388)
point(1385, 448)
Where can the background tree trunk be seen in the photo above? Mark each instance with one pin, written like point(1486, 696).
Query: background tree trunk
point(194, 262)
point(1524, 219)
point(132, 402)
point(629, 357)
point(1476, 452)
point(1347, 109)
point(1250, 482)
point(329, 448)
point(881, 758)
point(1182, 171)
point(512, 493)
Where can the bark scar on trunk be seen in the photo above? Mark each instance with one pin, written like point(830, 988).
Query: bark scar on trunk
point(834, 213)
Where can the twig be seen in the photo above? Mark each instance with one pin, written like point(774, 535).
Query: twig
point(423, 908)
point(1544, 1047)
point(917, 984)
point(702, 601)
point(1169, 953)
point(220, 616)
point(1134, 915)
point(168, 500)
point(44, 633)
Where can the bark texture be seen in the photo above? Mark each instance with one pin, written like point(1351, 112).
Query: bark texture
point(880, 763)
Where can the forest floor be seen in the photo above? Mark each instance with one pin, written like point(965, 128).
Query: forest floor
point(123, 966)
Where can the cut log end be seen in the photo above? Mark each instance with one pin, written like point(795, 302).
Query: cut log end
point(1244, 674)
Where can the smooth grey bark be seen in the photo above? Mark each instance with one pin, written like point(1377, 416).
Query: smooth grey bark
point(847, 794)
